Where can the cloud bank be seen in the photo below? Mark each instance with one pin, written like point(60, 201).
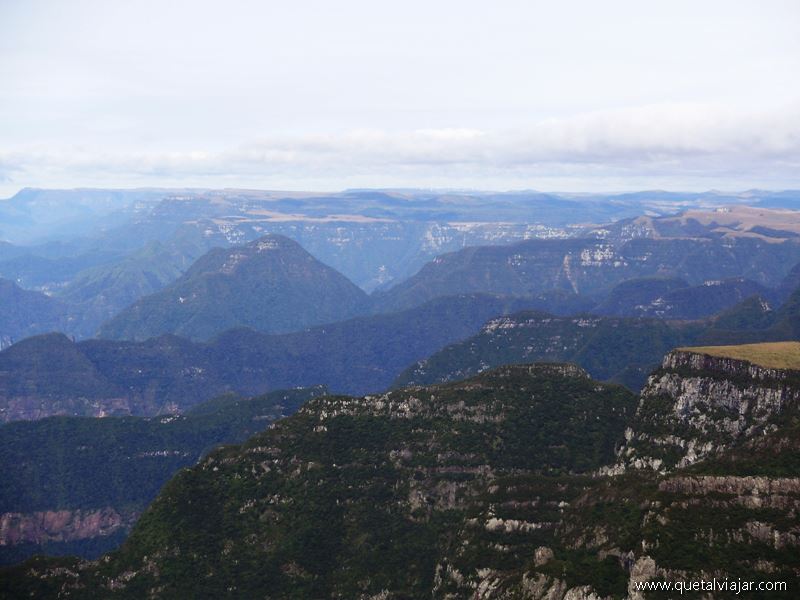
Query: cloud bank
point(675, 141)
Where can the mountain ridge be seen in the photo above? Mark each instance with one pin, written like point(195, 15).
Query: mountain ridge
point(76, 484)
point(271, 284)
point(491, 487)
point(49, 375)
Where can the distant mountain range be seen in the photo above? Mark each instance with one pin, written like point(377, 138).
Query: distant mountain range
point(52, 375)
point(592, 266)
point(625, 350)
point(271, 285)
point(100, 251)
point(49, 375)
point(616, 274)
point(274, 284)
point(266, 314)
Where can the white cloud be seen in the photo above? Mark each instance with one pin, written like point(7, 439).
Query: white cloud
point(664, 140)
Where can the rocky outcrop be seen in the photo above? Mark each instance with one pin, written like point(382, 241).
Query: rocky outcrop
point(61, 525)
point(724, 367)
point(696, 406)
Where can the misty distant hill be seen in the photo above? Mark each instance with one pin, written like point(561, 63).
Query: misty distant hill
point(271, 285)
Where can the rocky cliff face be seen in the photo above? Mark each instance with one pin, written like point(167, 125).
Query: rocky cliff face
point(696, 406)
point(61, 525)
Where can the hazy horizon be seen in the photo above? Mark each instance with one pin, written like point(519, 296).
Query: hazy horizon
point(400, 190)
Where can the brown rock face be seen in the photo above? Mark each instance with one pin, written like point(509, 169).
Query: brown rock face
point(61, 525)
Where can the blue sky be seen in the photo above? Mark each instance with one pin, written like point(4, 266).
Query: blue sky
point(574, 96)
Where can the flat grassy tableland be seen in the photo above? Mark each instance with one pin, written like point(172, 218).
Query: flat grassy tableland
point(772, 355)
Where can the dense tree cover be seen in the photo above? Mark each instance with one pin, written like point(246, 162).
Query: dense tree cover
point(70, 463)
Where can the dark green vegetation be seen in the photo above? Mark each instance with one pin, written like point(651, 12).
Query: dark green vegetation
point(624, 350)
point(753, 313)
point(674, 299)
point(637, 295)
point(789, 284)
point(492, 487)
point(48, 375)
point(753, 321)
point(354, 496)
point(594, 266)
point(97, 294)
point(24, 313)
point(270, 285)
point(76, 484)
point(51, 375)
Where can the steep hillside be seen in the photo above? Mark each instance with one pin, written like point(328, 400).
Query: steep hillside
point(622, 350)
point(637, 296)
point(497, 487)
point(755, 320)
point(753, 313)
point(704, 400)
point(789, 284)
point(24, 313)
point(271, 285)
point(592, 266)
point(354, 496)
point(667, 299)
point(50, 375)
point(75, 485)
point(99, 293)
point(47, 272)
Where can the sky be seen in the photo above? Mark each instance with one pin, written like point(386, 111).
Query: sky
point(319, 95)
